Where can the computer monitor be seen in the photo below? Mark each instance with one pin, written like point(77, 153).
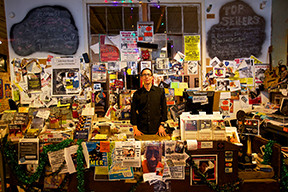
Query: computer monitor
point(199, 101)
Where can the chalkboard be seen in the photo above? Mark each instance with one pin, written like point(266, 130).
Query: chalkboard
point(45, 29)
point(239, 33)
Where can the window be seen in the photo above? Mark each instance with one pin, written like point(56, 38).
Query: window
point(176, 21)
point(110, 19)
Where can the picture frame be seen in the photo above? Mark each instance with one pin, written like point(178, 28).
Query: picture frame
point(210, 172)
point(3, 63)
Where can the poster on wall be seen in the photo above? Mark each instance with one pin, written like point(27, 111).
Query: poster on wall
point(66, 78)
point(192, 47)
point(108, 52)
point(162, 63)
point(145, 31)
point(132, 68)
point(129, 50)
point(145, 64)
point(192, 67)
point(99, 72)
point(260, 72)
point(34, 82)
point(114, 66)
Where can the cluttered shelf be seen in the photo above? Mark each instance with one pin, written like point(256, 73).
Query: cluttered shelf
point(182, 179)
point(109, 145)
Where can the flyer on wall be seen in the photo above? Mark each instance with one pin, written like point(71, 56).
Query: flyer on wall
point(66, 78)
point(129, 49)
point(145, 31)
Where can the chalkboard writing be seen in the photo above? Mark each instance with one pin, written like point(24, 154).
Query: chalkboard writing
point(239, 33)
point(45, 29)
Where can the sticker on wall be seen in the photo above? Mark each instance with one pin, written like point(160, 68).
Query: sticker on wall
point(8, 93)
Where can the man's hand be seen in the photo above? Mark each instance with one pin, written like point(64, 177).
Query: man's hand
point(137, 132)
point(161, 131)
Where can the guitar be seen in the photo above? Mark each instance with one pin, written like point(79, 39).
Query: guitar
point(272, 74)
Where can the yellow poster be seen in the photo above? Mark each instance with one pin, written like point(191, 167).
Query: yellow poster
point(192, 47)
point(256, 61)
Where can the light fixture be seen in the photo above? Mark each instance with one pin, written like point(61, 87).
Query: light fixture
point(11, 14)
point(263, 4)
point(209, 8)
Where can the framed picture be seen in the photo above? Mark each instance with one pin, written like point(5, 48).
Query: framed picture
point(207, 166)
point(3, 63)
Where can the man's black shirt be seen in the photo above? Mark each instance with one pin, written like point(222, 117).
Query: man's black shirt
point(148, 109)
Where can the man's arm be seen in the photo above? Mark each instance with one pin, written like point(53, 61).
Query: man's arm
point(163, 107)
point(133, 119)
point(163, 118)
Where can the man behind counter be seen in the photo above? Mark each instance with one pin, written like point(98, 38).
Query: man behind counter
point(148, 108)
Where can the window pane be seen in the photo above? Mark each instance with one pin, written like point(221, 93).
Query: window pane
point(174, 20)
point(174, 44)
point(131, 16)
point(94, 57)
point(190, 20)
point(97, 20)
point(157, 14)
point(114, 17)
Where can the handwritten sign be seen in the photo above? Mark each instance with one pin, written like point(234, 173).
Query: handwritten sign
point(45, 29)
point(239, 33)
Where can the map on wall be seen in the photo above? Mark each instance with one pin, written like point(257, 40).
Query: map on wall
point(239, 33)
point(45, 29)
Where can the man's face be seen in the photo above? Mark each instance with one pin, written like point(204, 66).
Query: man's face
point(203, 167)
point(153, 157)
point(147, 77)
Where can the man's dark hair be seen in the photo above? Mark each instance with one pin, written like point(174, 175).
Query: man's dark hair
point(201, 162)
point(146, 69)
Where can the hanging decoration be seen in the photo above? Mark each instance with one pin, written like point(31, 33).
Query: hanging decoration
point(284, 171)
point(9, 152)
